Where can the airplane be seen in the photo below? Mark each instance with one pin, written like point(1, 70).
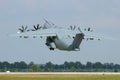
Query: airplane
point(67, 39)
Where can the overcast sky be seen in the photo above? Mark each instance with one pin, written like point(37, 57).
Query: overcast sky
point(102, 15)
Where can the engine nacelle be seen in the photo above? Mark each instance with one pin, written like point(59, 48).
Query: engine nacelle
point(50, 43)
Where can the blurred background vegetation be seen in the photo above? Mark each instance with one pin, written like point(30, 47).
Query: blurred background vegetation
point(65, 67)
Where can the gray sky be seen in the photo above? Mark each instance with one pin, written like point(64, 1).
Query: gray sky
point(102, 15)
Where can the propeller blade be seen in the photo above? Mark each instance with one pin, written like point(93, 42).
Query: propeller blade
point(79, 29)
point(22, 27)
point(71, 27)
point(34, 27)
point(37, 26)
point(20, 30)
point(74, 27)
point(26, 28)
point(89, 29)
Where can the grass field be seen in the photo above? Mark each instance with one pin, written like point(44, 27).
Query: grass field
point(57, 77)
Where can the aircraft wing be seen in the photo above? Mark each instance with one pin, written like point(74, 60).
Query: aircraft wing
point(93, 36)
point(39, 33)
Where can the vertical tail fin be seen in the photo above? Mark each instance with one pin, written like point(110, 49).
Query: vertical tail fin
point(48, 24)
point(77, 41)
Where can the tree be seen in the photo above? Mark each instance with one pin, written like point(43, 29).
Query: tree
point(66, 65)
point(1, 65)
point(108, 65)
point(6, 65)
point(71, 65)
point(97, 65)
point(16, 64)
point(89, 65)
point(31, 63)
point(22, 65)
point(78, 65)
point(49, 66)
point(116, 66)
point(34, 68)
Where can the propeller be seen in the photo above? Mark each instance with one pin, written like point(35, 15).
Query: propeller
point(73, 27)
point(36, 27)
point(80, 29)
point(89, 29)
point(23, 29)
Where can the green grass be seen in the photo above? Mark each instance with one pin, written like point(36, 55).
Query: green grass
point(57, 77)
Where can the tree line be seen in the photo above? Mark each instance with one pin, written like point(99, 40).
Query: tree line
point(65, 67)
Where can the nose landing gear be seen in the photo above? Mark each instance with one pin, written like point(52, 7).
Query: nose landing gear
point(51, 49)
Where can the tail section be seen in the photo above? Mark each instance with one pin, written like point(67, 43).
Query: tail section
point(48, 24)
point(77, 41)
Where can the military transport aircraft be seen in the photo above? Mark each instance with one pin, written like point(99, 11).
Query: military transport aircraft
point(68, 39)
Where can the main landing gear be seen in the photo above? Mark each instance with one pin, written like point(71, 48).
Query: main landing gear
point(49, 46)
